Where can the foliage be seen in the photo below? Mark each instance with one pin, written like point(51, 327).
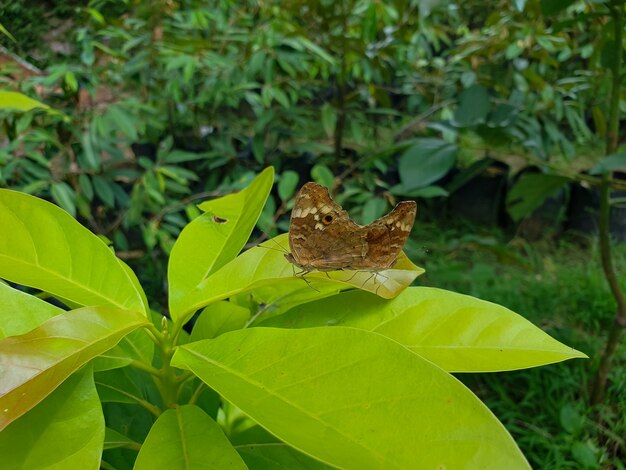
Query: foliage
point(164, 104)
point(558, 287)
point(152, 107)
point(314, 388)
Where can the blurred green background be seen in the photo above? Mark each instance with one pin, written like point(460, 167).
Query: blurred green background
point(494, 116)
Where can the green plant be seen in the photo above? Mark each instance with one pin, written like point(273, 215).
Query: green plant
point(347, 378)
point(557, 286)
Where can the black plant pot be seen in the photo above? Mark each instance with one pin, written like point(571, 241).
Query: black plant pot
point(481, 199)
point(583, 212)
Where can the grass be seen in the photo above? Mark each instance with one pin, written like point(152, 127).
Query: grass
point(559, 286)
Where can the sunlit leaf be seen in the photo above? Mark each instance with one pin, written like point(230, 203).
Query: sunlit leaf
point(214, 238)
point(13, 100)
point(457, 332)
point(264, 265)
point(64, 259)
point(374, 405)
point(187, 438)
point(20, 312)
point(65, 431)
point(34, 364)
point(219, 318)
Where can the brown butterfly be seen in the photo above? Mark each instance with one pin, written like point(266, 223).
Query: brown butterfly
point(322, 236)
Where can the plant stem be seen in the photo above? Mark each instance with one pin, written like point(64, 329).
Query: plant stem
point(619, 323)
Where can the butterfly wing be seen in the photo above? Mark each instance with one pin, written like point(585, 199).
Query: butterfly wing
point(321, 234)
point(386, 237)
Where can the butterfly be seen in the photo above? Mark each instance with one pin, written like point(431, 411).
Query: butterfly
point(322, 236)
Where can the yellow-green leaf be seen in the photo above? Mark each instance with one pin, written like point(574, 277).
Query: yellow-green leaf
point(457, 332)
point(352, 398)
point(187, 438)
point(34, 364)
point(214, 238)
point(65, 431)
point(265, 265)
point(48, 249)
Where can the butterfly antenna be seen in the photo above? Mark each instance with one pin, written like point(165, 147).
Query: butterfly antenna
point(280, 248)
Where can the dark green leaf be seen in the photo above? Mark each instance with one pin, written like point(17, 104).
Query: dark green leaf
point(530, 192)
point(322, 175)
point(85, 186)
point(287, 184)
point(425, 162)
point(65, 197)
point(610, 163)
point(552, 7)
point(374, 208)
point(473, 106)
point(104, 191)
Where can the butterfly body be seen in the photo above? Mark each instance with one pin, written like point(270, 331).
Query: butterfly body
point(322, 236)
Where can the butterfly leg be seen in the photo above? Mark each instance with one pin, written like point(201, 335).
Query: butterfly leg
point(352, 277)
point(309, 283)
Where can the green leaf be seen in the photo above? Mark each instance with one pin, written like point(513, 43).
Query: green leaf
point(65, 431)
point(213, 239)
point(265, 265)
point(6, 32)
point(329, 119)
point(64, 259)
point(315, 49)
point(20, 312)
point(219, 318)
point(71, 81)
point(85, 186)
point(104, 190)
point(425, 162)
point(13, 100)
point(609, 163)
point(530, 191)
point(552, 7)
point(571, 420)
point(457, 332)
point(122, 122)
point(114, 439)
point(585, 455)
point(287, 184)
point(373, 208)
point(321, 174)
point(277, 456)
point(426, 192)
point(119, 386)
point(64, 197)
point(473, 106)
point(136, 346)
point(187, 438)
point(352, 398)
point(34, 364)
point(90, 155)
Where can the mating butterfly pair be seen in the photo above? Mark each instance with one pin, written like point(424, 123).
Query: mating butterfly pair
point(322, 236)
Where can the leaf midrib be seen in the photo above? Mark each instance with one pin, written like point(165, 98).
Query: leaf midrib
point(270, 391)
point(70, 281)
